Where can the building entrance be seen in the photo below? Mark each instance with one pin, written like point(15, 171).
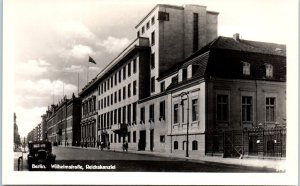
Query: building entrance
point(142, 140)
point(151, 139)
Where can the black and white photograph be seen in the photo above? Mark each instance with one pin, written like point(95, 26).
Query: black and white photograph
point(150, 92)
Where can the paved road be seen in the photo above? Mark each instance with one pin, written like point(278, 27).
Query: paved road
point(72, 159)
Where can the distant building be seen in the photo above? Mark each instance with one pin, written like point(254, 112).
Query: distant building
point(63, 122)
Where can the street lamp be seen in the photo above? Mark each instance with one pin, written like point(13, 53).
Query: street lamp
point(187, 126)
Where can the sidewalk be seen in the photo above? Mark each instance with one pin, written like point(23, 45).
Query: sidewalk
point(277, 164)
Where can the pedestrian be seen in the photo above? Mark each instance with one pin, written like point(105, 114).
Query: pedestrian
point(126, 146)
point(108, 145)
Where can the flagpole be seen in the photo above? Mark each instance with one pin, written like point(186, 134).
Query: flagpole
point(78, 84)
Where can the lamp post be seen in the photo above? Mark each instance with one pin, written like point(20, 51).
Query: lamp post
point(187, 126)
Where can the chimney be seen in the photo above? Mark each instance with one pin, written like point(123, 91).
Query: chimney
point(236, 36)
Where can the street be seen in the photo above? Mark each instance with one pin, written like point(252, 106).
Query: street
point(82, 159)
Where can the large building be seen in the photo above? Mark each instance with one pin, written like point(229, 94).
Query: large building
point(63, 122)
point(177, 81)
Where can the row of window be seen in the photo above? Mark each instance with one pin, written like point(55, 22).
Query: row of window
point(117, 77)
point(268, 68)
point(89, 106)
point(195, 113)
point(162, 113)
point(116, 138)
point(194, 145)
point(147, 26)
point(247, 108)
point(117, 96)
point(120, 115)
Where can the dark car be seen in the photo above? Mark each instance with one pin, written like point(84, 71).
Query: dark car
point(40, 155)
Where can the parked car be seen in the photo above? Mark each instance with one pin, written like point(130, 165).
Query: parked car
point(40, 155)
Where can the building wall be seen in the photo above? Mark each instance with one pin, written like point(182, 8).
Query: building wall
point(235, 89)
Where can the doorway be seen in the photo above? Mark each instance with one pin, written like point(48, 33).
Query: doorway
point(151, 139)
point(142, 140)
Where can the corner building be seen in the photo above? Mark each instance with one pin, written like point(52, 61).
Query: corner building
point(116, 103)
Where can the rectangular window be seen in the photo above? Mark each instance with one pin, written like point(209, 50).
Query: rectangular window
point(129, 113)
point(104, 120)
point(124, 93)
point(162, 86)
point(129, 69)
point(101, 88)
point(124, 72)
point(115, 116)
point(129, 90)
point(108, 84)
point(116, 97)
point(104, 86)
point(163, 16)
point(148, 25)
point(111, 138)
point(119, 138)
point(246, 108)
point(175, 113)
point(101, 121)
point(120, 95)
point(108, 120)
point(153, 38)
point(119, 115)
point(142, 114)
point(124, 114)
point(115, 138)
point(152, 61)
point(152, 84)
point(111, 118)
point(134, 66)
point(101, 103)
point(196, 33)
point(184, 74)
point(107, 100)
point(151, 112)
point(162, 110)
point(134, 136)
point(270, 109)
point(111, 99)
point(129, 137)
point(116, 81)
point(138, 34)
point(134, 87)
point(162, 138)
point(152, 20)
point(120, 77)
point(222, 107)
point(194, 109)
point(143, 30)
point(134, 112)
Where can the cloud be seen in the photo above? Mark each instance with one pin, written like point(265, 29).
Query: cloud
point(41, 92)
point(114, 45)
point(32, 68)
point(74, 29)
point(94, 69)
point(74, 68)
point(81, 51)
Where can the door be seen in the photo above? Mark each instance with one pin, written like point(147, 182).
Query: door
point(151, 139)
point(142, 140)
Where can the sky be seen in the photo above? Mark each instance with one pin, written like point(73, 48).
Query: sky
point(48, 42)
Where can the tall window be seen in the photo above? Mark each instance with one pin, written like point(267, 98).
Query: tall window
point(195, 145)
point(134, 136)
point(111, 99)
point(143, 29)
point(152, 84)
point(152, 61)
point(124, 72)
point(108, 84)
point(129, 113)
point(162, 86)
point(246, 68)
point(134, 87)
point(120, 77)
point(153, 38)
point(124, 114)
point(112, 81)
point(175, 113)
point(222, 107)
point(270, 109)
point(120, 95)
point(142, 114)
point(175, 145)
point(129, 69)
point(129, 137)
point(152, 20)
point(124, 93)
point(107, 100)
point(134, 112)
point(195, 33)
point(194, 109)
point(134, 66)
point(269, 70)
point(151, 112)
point(115, 116)
point(184, 74)
point(246, 108)
point(119, 115)
point(116, 78)
point(129, 90)
point(162, 110)
point(116, 97)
